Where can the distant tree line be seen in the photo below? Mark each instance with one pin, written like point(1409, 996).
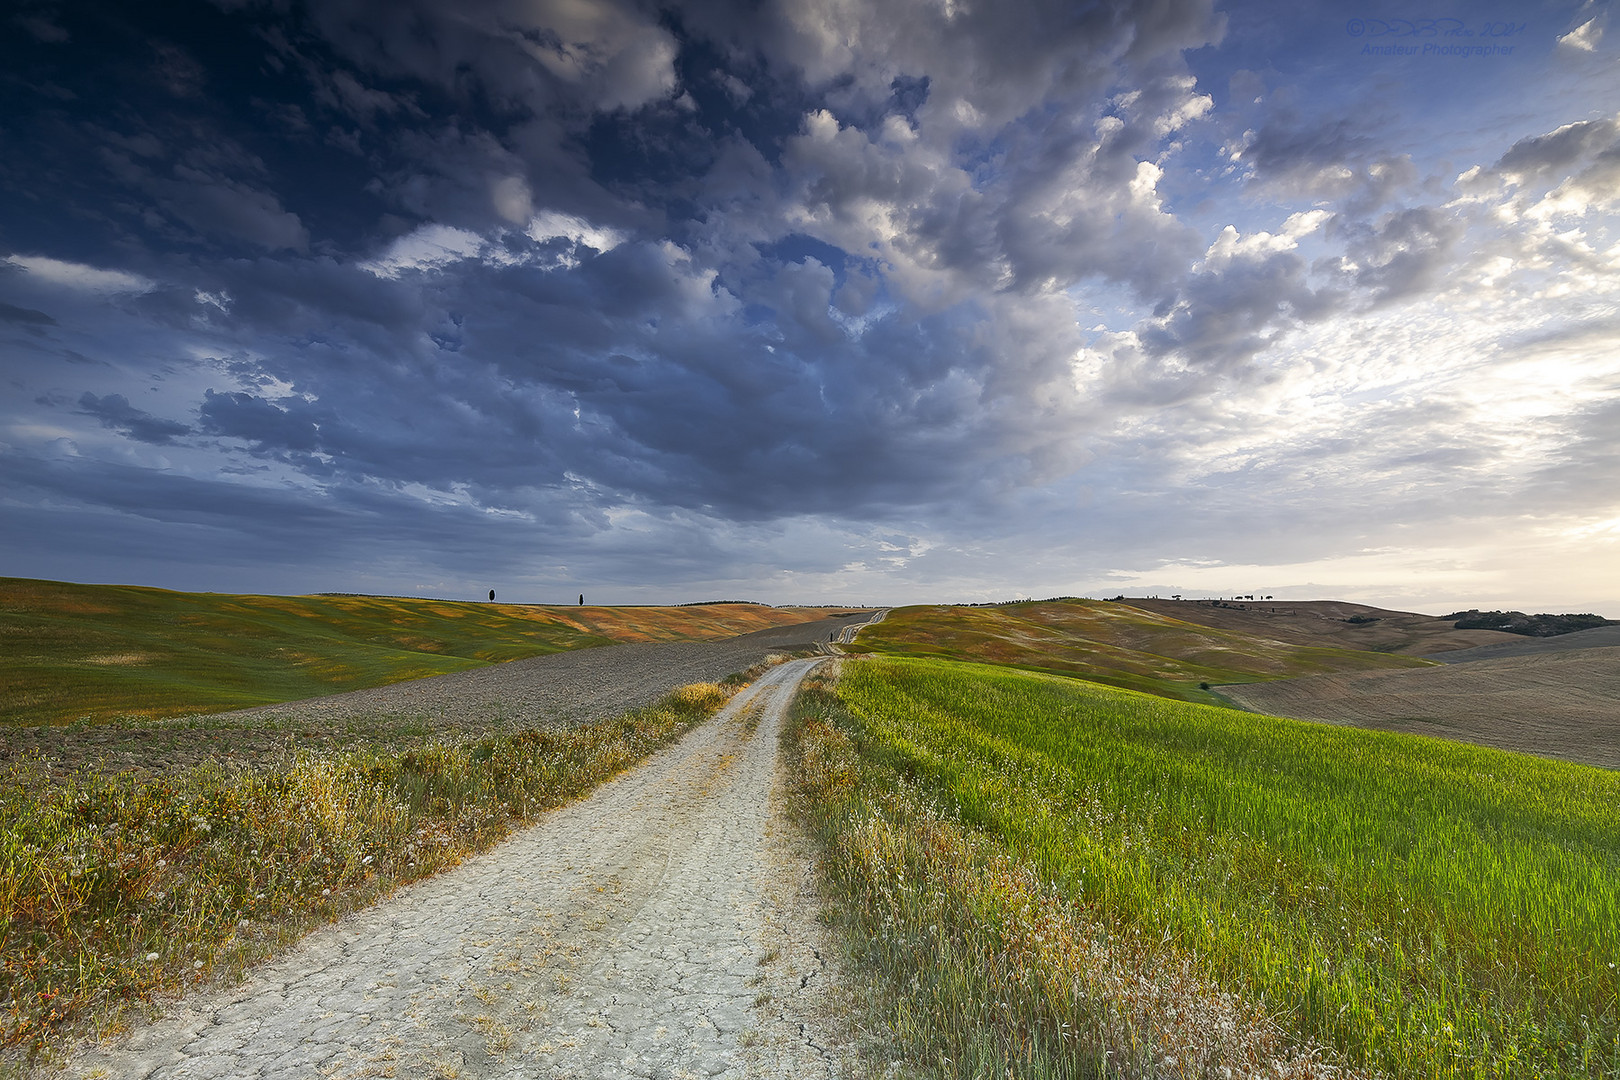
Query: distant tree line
point(1008, 603)
point(1517, 622)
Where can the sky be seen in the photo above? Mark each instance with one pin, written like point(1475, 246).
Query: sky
point(814, 301)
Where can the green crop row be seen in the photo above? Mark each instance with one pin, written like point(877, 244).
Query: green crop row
point(1395, 904)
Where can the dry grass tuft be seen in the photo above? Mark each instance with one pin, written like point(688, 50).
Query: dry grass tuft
point(701, 696)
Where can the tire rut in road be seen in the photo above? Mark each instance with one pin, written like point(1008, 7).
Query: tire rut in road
point(658, 928)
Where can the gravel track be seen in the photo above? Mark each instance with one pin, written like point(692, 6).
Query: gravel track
point(662, 927)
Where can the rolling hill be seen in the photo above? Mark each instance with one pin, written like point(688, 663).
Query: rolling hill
point(70, 652)
point(1334, 623)
point(1121, 645)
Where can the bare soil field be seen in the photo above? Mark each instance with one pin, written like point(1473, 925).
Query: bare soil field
point(1327, 622)
point(561, 688)
point(1556, 703)
point(1597, 637)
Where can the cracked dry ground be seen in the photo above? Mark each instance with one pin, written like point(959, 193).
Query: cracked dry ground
point(663, 927)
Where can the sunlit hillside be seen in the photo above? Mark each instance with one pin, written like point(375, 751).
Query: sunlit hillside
point(99, 651)
point(1111, 643)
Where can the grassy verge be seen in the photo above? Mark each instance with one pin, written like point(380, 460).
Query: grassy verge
point(1113, 644)
point(116, 890)
point(1057, 875)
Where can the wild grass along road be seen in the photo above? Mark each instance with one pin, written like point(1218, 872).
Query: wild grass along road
point(660, 927)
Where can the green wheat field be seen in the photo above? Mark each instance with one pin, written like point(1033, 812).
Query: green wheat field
point(1056, 875)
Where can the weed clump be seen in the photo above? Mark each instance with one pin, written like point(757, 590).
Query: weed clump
point(701, 696)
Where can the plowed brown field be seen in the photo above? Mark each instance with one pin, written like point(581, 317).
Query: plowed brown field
point(1558, 704)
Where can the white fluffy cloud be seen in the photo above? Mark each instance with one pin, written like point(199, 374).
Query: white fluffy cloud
point(553, 225)
point(431, 247)
point(1585, 37)
point(79, 276)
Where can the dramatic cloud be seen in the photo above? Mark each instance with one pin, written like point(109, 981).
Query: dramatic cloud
point(812, 300)
point(115, 411)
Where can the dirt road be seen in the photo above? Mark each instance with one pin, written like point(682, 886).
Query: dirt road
point(663, 927)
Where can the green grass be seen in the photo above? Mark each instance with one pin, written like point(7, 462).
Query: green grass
point(70, 652)
point(1113, 644)
point(116, 889)
point(1415, 907)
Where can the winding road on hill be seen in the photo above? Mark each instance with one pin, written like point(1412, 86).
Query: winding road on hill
point(665, 926)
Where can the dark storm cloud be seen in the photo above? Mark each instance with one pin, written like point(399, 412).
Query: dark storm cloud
point(159, 139)
point(41, 27)
point(530, 56)
point(245, 416)
point(1026, 100)
point(999, 62)
point(25, 316)
point(216, 188)
point(164, 497)
point(483, 387)
point(712, 376)
point(114, 411)
point(1228, 312)
point(215, 205)
point(1582, 159)
point(299, 299)
point(1403, 254)
point(1288, 147)
point(106, 521)
point(1558, 150)
point(624, 282)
